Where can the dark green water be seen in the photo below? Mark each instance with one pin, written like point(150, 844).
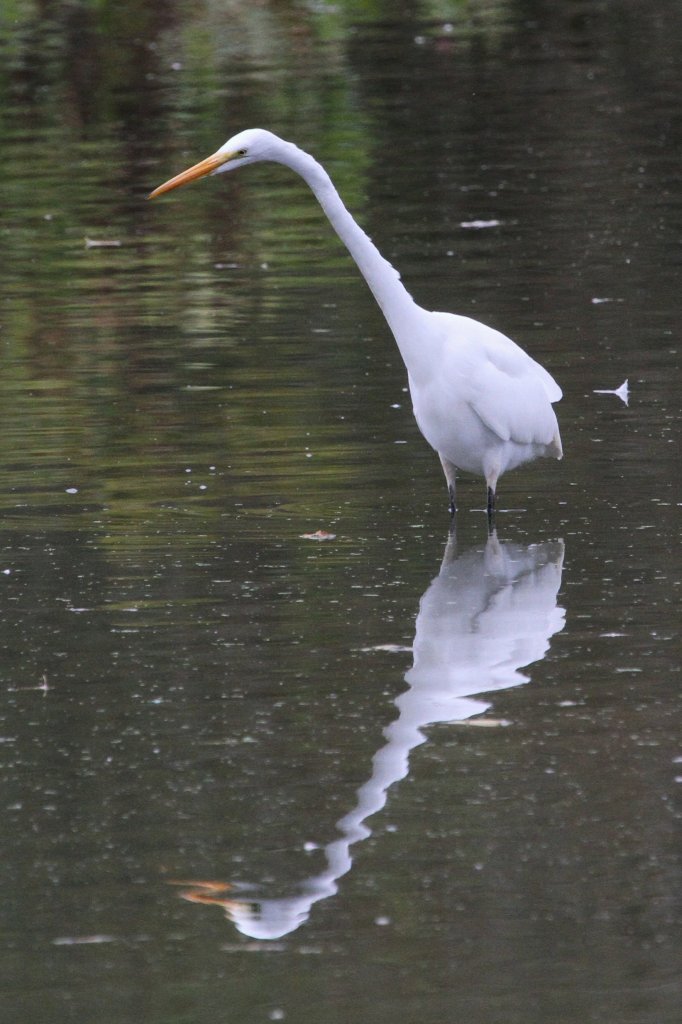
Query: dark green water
point(398, 780)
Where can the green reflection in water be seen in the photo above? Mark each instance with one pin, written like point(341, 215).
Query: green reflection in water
point(125, 357)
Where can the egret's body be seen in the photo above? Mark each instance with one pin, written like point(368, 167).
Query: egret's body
point(480, 401)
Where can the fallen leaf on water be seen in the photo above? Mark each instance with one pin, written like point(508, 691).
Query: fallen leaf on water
point(202, 892)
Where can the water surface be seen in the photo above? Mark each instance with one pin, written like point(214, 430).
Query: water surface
point(394, 774)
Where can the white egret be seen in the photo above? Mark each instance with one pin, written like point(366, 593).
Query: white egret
point(479, 400)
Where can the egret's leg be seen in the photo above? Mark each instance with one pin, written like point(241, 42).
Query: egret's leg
point(453, 503)
point(491, 476)
point(450, 476)
point(491, 508)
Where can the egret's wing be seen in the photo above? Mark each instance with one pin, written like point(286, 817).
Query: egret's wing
point(515, 408)
point(512, 394)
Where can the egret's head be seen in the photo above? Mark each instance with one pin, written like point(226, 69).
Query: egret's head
point(245, 148)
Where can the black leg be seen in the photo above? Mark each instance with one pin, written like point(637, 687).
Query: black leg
point(491, 508)
point(451, 480)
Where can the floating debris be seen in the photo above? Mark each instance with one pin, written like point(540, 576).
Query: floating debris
point(102, 243)
point(479, 225)
point(259, 947)
point(622, 392)
point(42, 686)
point(387, 649)
point(318, 535)
point(484, 723)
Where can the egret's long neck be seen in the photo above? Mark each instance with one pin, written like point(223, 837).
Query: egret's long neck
point(397, 305)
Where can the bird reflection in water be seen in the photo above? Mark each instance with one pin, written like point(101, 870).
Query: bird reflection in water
point(490, 612)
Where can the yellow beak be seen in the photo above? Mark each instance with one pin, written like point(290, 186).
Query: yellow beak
point(192, 173)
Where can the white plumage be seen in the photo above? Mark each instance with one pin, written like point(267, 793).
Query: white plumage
point(480, 401)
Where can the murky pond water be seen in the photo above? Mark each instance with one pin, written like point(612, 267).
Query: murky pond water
point(392, 774)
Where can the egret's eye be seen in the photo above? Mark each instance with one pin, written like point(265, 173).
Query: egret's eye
point(241, 152)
